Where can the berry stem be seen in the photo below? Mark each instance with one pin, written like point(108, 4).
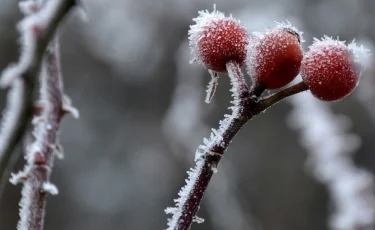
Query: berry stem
point(246, 106)
point(277, 97)
point(41, 153)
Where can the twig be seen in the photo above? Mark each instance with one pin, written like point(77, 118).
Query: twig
point(40, 154)
point(246, 106)
point(36, 32)
point(182, 137)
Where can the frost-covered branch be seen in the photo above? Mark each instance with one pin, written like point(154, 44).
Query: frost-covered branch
point(330, 147)
point(208, 155)
point(40, 154)
point(223, 204)
point(36, 30)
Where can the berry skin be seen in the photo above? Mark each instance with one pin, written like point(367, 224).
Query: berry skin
point(216, 40)
point(329, 70)
point(274, 57)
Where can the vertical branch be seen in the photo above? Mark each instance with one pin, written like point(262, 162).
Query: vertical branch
point(40, 154)
point(181, 137)
point(208, 155)
point(36, 30)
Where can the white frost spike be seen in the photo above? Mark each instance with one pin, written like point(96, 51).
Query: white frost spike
point(17, 178)
point(50, 188)
point(214, 168)
point(59, 151)
point(68, 108)
point(198, 220)
point(11, 114)
point(212, 85)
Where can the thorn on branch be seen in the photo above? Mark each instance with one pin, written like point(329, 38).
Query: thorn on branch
point(17, 178)
point(49, 188)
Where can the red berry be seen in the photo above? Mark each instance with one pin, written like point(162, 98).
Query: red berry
point(329, 70)
point(216, 40)
point(274, 57)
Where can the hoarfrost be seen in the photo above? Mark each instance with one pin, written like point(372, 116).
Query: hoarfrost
point(216, 139)
point(50, 188)
point(198, 220)
point(212, 85)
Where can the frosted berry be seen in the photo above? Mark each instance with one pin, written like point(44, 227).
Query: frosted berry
point(274, 56)
point(329, 69)
point(216, 40)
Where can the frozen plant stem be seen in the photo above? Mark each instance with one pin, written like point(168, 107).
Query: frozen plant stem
point(27, 72)
point(246, 106)
point(40, 155)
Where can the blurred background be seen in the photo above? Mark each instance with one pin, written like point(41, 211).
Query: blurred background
point(143, 115)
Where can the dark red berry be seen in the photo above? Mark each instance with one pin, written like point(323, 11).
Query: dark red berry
point(329, 70)
point(216, 40)
point(274, 58)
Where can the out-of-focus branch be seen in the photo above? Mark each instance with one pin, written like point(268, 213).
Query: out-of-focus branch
point(37, 29)
point(324, 137)
point(40, 154)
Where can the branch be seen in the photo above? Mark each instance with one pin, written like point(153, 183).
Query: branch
point(40, 154)
point(271, 100)
point(36, 32)
point(246, 106)
point(351, 188)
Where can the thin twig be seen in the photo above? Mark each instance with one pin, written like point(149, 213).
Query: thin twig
point(246, 106)
point(37, 31)
point(40, 154)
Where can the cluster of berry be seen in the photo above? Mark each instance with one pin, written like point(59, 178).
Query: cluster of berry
point(275, 57)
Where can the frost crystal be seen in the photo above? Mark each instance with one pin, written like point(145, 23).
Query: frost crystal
point(198, 220)
point(212, 85)
point(68, 108)
point(50, 188)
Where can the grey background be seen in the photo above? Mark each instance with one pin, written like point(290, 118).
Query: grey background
point(128, 72)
